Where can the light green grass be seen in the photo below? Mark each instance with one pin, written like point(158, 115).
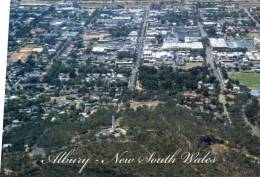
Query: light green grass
point(251, 80)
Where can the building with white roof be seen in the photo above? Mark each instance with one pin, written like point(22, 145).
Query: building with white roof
point(218, 43)
point(183, 46)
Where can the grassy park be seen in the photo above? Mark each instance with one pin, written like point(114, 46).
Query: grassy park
point(252, 80)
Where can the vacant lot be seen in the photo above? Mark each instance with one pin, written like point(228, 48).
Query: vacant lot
point(192, 65)
point(252, 80)
point(149, 104)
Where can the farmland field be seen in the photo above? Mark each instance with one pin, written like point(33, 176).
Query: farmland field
point(252, 80)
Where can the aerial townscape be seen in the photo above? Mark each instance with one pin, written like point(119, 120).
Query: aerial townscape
point(139, 76)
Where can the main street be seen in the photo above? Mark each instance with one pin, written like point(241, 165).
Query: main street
point(140, 45)
point(216, 72)
point(218, 75)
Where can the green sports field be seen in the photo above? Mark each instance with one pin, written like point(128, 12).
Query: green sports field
point(252, 80)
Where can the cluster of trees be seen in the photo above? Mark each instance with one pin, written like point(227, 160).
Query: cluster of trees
point(69, 68)
point(224, 73)
point(162, 130)
point(120, 31)
point(238, 132)
point(159, 39)
point(252, 111)
point(53, 73)
point(28, 66)
point(126, 71)
point(233, 14)
point(181, 18)
point(89, 68)
point(125, 54)
point(166, 78)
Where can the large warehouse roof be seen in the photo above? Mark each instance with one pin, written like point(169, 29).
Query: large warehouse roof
point(218, 43)
point(183, 45)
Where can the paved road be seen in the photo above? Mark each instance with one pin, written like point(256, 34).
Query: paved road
point(140, 45)
point(216, 72)
point(254, 130)
point(253, 18)
point(69, 40)
point(218, 75)
point(210, 60)
point(202, 32)
point(62, 49)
